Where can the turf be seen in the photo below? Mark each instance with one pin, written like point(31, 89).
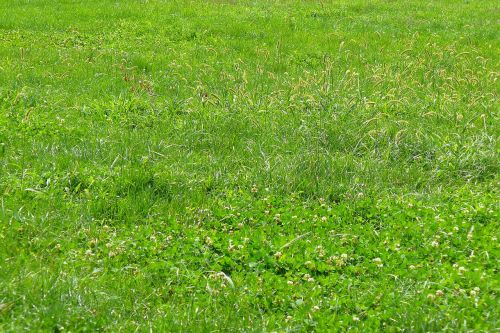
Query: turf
point(260, 165)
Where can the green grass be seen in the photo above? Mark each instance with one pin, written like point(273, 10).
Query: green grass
point(249, 166)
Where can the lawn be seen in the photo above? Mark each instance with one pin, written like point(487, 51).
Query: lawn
point(249, 165)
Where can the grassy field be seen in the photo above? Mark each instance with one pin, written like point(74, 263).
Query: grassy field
point(252, 166)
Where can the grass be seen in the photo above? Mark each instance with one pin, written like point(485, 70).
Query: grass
point(249, 166)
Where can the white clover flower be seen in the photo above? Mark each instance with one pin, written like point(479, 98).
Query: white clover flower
point(378, 262)
point(320, 250)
